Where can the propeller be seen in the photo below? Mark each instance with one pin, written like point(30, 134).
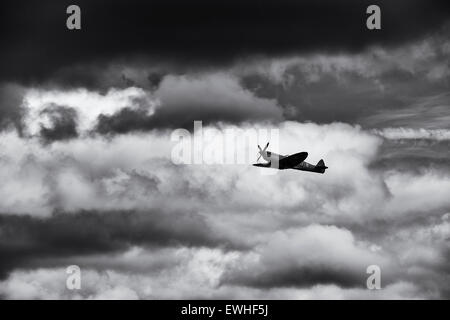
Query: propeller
point(261, 151)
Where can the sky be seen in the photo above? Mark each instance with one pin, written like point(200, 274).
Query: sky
point(88, 178)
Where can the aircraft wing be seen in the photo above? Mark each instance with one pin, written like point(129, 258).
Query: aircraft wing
point(264, 165)
point(292, 160)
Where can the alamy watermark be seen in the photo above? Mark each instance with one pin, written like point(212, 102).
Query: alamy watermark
point(73, 281)
point(373, 21)
point(73, 21)
point(228, 146)
point(374, 280)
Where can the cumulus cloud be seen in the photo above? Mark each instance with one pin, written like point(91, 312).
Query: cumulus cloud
point(94, 173)
point(86, 106)
point(410, 133)
point(306, 256)
point(88, 176)
point(174, 273)
point(208, 97)
point(378, 87)
point(85, 200)
point(177, 273)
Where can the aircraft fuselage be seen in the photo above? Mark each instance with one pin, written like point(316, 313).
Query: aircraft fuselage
point(273, 161)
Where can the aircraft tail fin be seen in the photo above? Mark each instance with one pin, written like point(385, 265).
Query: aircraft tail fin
point(320, 166)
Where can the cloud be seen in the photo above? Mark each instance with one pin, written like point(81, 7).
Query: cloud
point(62, 123)
point(183, 99)
point(87, 107)
point(94, 173)
point(308, 256)
point(85, 200)
point(377, 87)
point(216, 97)
point(11, 111)
point(86, 164)
point(409, 133)
point(189, 269)
point(429, 113)
point(34, 242)
point(185, 37)
point(195, 275)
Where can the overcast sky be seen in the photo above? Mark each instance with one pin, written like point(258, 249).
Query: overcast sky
point(85, 150)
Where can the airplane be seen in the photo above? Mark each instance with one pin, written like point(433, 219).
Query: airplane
point(294, 161)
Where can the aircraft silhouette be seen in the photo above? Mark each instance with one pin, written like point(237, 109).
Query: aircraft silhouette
point(294, 161)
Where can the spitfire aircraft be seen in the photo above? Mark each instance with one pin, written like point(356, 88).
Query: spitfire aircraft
point(294, 161)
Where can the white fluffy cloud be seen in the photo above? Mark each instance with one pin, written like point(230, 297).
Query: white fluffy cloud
point(174, 273)
point(93, 173)
point(88, 105)
point(299, 233)
point(315, 254)
point(170, 273)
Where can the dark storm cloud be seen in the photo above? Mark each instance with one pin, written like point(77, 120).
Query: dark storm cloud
point(429, 112)
point(170, 116)
point(300, 277)
point(323, 101)
point(285, 260)
point(183, 99)
point(155, 79)
point(11, 111)
point(25, 239)
point(375, 89)
point(36, 43)
point(413, 155)
point(63, 123)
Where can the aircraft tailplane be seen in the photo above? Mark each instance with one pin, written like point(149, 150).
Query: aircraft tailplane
point(321, 166)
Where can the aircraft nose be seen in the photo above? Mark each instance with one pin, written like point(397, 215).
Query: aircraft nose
point(304, 154)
